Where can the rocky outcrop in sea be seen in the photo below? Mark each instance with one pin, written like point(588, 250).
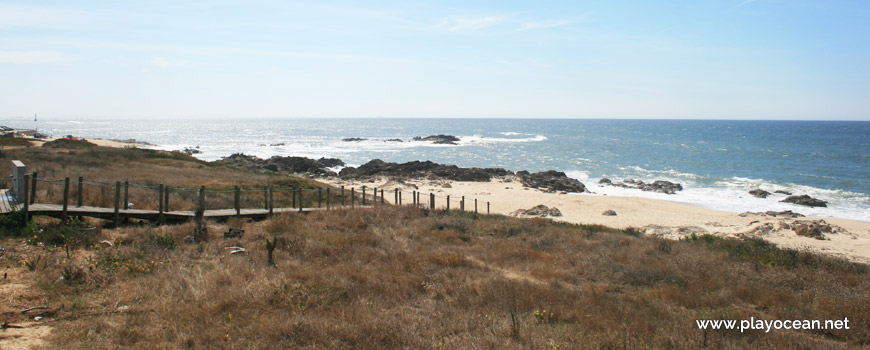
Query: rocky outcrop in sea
point(294, 165)
point(439, 139)
point(418, 169)
point(660, 186)
point(805, 200)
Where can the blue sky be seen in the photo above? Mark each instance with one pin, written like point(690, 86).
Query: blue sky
point(716, 59)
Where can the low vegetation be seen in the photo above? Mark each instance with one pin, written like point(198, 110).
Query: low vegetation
point(412, 278)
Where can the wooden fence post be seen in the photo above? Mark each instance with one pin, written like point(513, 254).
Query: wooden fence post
point(475, 205)
point(418, 198)
point(271, 201)
point(487, 208)
point(327, 199)
point(352, 197)
point(237, 202)
point(200, 234)
point(293, 197)
point(448, 202)
point(26, 200)
point(400, 198)
point(65, 199)
point(117, 202)
point(300, 199)
point(32, 188)
point(374, 196)
point(202, 199)
point(382, 196)
point(80, 193)
point(342, 196)
point(160, 218)
point(166, 199)
point(319, 197)
point(414, 197)
point(363, 195)
point(462, 204)
point(396, 196)
point(265, 198)
point(432, 201)
point(126, 195)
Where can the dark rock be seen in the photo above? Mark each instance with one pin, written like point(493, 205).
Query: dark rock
point(787, 193)
point(276, 144)
point(660, 186)
point(284, 164)
point(354, 139)
point(805, 200)
point(609, 212)
point(551, 180)
point(329, 162)
point(418, 169)
point(439, 139)
point(234, 233)
point(393, 140)
point(759, 193)
point(191, 150)
point(539, 210)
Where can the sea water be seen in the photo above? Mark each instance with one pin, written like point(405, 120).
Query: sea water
point(717, 162)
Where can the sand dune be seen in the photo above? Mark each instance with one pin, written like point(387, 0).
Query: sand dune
point(850, 239)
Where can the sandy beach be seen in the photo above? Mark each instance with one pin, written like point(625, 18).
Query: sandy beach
point(849, 239)
point(105, 142)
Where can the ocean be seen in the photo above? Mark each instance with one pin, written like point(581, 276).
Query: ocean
point(717, 162)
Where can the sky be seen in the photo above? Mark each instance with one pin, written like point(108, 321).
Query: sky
point(709, 59)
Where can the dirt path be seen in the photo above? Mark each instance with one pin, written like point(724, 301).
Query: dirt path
point(16, 295)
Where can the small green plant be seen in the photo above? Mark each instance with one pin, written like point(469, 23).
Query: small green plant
point(73, 233)
point(164, 242)
point(71, 274)
point(32, 264)
point(544, 316)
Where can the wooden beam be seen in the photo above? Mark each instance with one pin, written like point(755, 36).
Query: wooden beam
point(65, 198)
point(117, 204)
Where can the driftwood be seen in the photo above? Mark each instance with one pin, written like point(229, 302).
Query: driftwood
point(7, 325)
point(34, 308)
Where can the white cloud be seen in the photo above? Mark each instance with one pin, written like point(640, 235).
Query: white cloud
point(464, 23)
point(27, 16)
point(544, 24)
point(163, 62)
point(31, 57)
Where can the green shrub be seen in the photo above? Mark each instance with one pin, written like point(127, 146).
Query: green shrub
point(72, 233)
point(70, 144)
point(163, 242)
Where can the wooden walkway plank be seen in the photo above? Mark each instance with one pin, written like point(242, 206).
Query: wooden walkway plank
point(56, 210)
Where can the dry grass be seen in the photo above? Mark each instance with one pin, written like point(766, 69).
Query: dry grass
point(410, 278)
point(407, 278)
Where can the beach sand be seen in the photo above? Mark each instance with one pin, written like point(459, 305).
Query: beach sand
point(850, 239)
point(104, 142)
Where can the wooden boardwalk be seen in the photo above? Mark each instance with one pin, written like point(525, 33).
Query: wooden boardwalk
point(7, 202)
point(56, 210)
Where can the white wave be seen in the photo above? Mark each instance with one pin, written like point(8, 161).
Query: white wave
point(463, 140)
point(579, 175)
point(733, 195)
point(512, 133)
